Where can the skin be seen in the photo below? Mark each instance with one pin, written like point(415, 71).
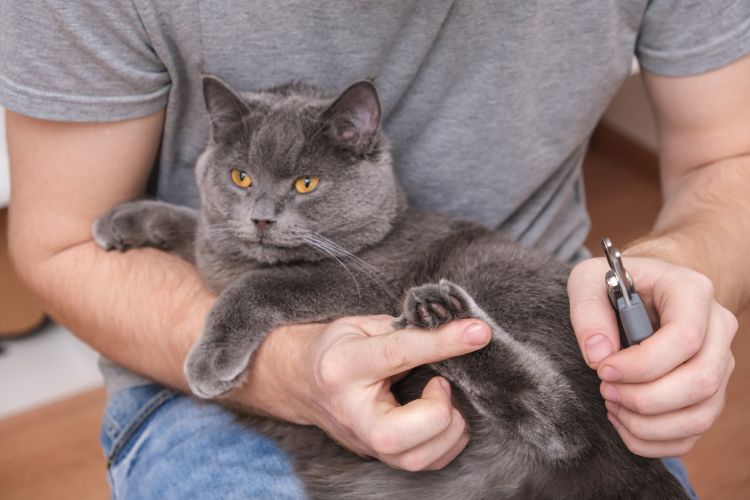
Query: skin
point(669, 390)
point(692, 270)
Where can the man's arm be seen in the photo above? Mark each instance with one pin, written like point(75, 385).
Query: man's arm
point(64, 176)
point(692, 269)
point(144, 308)
point(704, 150)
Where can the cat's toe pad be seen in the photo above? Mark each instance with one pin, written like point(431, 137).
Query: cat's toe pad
point(433, 304)
point(211, 370)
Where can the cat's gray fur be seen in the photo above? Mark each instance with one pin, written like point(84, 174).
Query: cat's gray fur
point(354, 246)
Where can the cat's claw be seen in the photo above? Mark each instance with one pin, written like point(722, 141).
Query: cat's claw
point(212, 370)
point(434, 304)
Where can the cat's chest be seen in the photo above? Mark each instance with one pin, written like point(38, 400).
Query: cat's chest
point(220, 264)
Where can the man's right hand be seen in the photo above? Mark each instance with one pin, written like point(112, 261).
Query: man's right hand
point(338, 377)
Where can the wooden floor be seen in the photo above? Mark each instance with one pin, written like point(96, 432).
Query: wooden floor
point(53, 452)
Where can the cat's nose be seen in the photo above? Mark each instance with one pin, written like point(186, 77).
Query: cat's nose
point(262, 224)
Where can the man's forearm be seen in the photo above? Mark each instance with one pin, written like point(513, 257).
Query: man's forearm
point(705, 225)
point(142, 309)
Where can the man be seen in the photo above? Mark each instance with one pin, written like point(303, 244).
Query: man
point(489, 107)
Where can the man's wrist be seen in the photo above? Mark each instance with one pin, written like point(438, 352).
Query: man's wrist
point(278, 377)
point(666, 247)
point(685, 250)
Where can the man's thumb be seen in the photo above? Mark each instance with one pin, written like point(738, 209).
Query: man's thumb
point(591, 314)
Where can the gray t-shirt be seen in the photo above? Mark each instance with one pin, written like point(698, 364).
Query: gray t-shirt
point(489, 105)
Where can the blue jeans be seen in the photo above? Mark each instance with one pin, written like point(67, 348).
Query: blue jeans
point(163, 445)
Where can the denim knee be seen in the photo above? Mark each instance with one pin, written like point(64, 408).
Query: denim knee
point(160, 444)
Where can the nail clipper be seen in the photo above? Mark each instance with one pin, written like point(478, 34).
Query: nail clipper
point(632, 318)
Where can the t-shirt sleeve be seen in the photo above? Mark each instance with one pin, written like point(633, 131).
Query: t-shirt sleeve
point(78, 61)
point(687, 37)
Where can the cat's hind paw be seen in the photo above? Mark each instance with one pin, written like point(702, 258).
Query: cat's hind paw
point(212, 370)
point(433, 304)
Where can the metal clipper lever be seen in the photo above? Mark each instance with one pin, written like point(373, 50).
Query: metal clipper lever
point(635, 325)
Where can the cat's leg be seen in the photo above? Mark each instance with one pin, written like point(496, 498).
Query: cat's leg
point(247, 310)
point(510, 383)
point(148, 223)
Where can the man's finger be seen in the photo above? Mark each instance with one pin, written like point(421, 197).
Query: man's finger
point(685, 309)
point(688, 384)
point(591, 314)
point(451, 454)
point(375, 325)
point(393, 430)
point(372, 325)
point(653, 449)
point(441, 449)
point(683, 423)
point(381, 356)
point(438, 451)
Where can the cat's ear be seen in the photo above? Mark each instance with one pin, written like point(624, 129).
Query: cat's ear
point(354, 118)
point(225, 108)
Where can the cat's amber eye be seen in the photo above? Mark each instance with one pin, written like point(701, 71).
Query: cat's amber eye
point(306, 184)
point(241, 179)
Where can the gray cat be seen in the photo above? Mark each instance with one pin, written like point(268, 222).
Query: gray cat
point(302, 220)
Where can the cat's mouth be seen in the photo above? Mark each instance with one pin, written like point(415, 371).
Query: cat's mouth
point(268, 241)
point(267, 238)
point(286, 240)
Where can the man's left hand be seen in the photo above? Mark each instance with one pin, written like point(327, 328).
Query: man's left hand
point(664, 393)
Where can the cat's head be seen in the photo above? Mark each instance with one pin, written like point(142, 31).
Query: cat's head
point(291, 173)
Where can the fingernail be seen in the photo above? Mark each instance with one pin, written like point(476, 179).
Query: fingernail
point(609, 374)
point(612, 408)
point(446, 386)
point(609, 392)
point(598, 347)
point(476, 334)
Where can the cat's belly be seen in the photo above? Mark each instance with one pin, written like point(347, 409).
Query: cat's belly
point(331, 472)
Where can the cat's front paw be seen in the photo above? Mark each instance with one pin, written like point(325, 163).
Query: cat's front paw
point(433, 304)
point(212, 370)
point(130, 225)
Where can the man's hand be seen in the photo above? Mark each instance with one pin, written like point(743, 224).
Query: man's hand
point(338, 377)
point(664, 393)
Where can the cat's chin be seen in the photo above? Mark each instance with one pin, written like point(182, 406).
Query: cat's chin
point(271, 243)
point(275, 252)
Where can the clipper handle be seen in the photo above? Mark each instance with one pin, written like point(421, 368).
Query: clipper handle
point(634, 321)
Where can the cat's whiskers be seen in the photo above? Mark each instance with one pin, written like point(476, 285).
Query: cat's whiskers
point(219, 228)
point(335, 249)
point(314, 245)
point(346, 253)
